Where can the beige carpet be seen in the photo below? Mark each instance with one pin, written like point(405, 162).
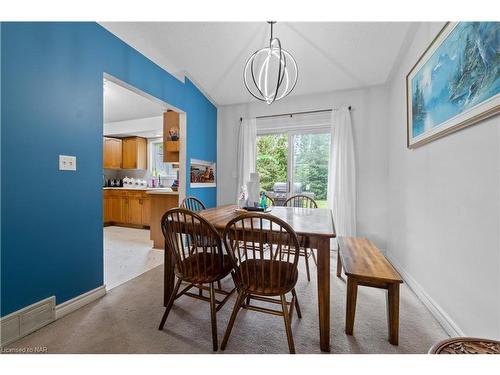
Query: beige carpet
point(126, 321)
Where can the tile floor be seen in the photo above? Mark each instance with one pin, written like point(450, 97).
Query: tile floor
point(128, 253)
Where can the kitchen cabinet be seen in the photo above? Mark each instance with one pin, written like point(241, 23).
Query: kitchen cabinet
point(106, 209)
point(126, 207)
point(118, 209)
point(134, 154)
point(170, 148)
point(134, 210)
point(112, 153)
point(160, 203)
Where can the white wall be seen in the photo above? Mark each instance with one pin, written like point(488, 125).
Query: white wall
point(444, 204)
point(369, 119)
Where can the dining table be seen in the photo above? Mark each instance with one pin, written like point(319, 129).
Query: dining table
point(314, 227)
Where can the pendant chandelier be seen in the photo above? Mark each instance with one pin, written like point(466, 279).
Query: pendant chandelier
point(271, 72)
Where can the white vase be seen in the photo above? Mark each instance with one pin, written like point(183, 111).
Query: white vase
point(253, 187)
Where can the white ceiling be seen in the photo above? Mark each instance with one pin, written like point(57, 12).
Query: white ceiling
point(121, 104)
point(330, 56)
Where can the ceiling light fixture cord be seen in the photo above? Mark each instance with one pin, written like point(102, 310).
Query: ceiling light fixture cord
point(271, 73)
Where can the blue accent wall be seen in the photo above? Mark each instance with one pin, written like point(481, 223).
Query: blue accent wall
point(51, 104)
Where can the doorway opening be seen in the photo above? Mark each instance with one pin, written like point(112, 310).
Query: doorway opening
point(140, 171)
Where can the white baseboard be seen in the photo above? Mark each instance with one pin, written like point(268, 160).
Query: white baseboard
point(22, 322)
point(26, 320)
point(451, 328)
point(75, 303)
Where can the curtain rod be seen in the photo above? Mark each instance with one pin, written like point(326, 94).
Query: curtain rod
point(296, 113)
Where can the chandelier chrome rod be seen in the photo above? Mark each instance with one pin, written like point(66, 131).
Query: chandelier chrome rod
point(271, 23)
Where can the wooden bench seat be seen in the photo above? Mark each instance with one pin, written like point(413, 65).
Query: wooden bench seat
point(365, 265)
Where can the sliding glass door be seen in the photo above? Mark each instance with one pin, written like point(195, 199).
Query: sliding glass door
point(309, 165)
point(294, 162)
point(272, 165)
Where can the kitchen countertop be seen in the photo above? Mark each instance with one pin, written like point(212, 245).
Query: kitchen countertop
point(148, 190)
point(161, 192)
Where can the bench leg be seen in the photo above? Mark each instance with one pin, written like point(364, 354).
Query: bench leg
point(339, 263)
point(352, 293)
point(393, 313)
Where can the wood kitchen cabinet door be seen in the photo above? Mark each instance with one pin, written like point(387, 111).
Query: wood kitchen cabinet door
point(112, 153)
point(135, 155)
point(116, 207)
point(106, 208)
point(134, 210)
point(124, 206)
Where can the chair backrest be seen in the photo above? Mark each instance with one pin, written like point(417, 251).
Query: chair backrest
point(264, 249)
point(269, 200)
point(194, 242)
point(300, 201)
point(193, 204)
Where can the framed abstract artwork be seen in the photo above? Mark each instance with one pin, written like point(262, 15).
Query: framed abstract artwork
point(455, 83)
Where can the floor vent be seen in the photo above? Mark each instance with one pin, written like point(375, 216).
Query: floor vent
point(22, 322)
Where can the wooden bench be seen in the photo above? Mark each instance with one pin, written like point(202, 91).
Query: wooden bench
point(365, 265)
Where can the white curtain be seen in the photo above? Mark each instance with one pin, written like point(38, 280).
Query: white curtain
point(342, 174)
point(246, 151)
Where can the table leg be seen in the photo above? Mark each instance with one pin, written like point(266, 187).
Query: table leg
point(393, 313)
point(324, 293)
point(168, 276)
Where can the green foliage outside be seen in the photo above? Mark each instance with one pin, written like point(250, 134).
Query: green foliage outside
point(272, 154)
point(311, 162)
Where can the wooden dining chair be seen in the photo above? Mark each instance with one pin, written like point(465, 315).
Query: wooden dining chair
point(199, 257)
point(260, 274)
point(193, 204)
point(300, 200)
point(304, 201)
point(196, 205)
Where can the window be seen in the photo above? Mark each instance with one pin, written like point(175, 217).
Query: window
point(292, 156)
point(272, 160)
point(156, 165)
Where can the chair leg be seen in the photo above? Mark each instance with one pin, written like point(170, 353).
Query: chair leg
point(297, 307)
point(307, 264)
point(314, 257)
point(236, 308)
point(219, 285)
point(290, 310)
point(213, 317)
point(288, 327)
point(169, 304)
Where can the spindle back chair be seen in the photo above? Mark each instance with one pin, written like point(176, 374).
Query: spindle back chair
point(193, 204)
point(303, 201)
point(300, 200)
point(259, 245)
point(199, 258)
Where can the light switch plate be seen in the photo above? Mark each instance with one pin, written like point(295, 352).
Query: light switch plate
point(67, 163)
